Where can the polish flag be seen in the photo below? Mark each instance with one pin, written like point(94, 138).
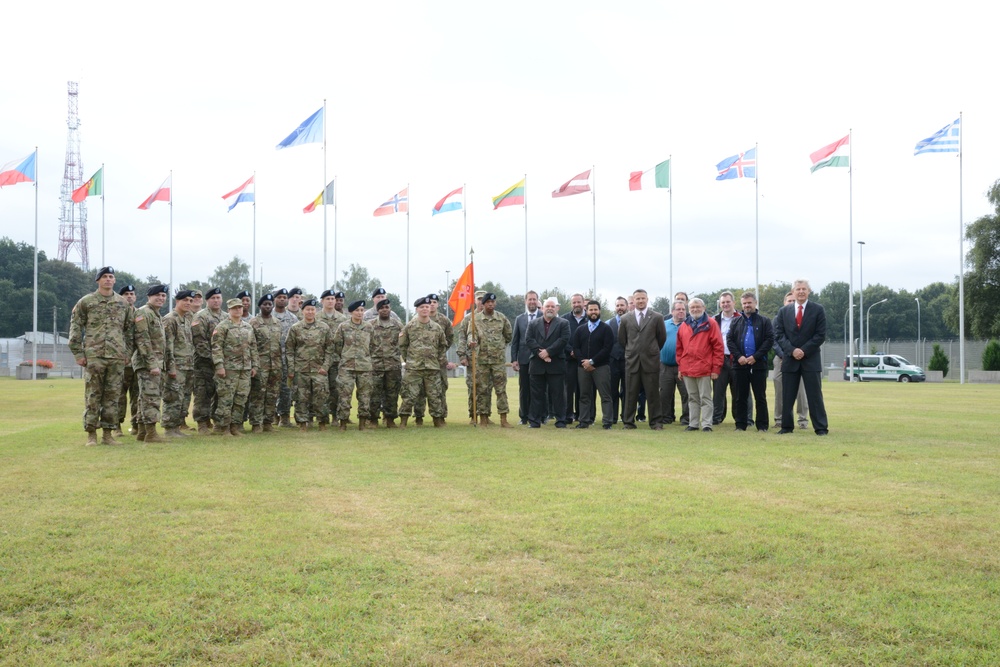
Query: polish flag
point(162, 194)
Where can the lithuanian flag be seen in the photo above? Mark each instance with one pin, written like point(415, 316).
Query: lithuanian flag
point(512, 196)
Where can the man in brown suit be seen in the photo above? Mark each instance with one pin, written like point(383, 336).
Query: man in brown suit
point(641, 334)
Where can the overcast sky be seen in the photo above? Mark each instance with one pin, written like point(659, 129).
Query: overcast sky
point(437, 94)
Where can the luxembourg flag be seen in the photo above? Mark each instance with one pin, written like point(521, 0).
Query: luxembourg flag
point(244, 193)
point(450, 202)
point(161, 194)
point(18, 171)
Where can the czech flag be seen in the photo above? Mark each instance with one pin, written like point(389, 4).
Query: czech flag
point(18, 171)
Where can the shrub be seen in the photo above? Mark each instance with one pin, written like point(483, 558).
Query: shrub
point(991, 356)
point(42, 363)
point(939, 361)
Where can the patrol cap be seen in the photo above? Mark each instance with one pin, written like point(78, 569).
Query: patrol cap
point(104, 269)
point(384, 303)
point(196, 293)
point(242, 294)
point(309, 302)
point(265, 297)
point(212, 292)
point(424, 300)
point(355, 305)
point(378, 290)
point(480, 293)
point(433, 296)
point(326, 293)
point(339, 295)
point(234, 303)
point(489, 296)
point(126, 288)
point(295, 291)
point(184, 294)
point(156, 289)
point(281, 292)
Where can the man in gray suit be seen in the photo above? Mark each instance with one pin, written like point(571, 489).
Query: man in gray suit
point(642, 333)
point(520, 355)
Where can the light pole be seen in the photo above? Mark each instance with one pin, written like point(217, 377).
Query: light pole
point(447, 286)
point(848, 344)
point(868, 326)
point(861, 290)
point(917, 351)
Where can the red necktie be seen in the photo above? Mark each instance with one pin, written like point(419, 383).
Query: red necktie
point(798, 316)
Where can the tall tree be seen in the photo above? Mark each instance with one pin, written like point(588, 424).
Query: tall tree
point(982, 282)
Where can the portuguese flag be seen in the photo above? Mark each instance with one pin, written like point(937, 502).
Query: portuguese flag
point(95, 186)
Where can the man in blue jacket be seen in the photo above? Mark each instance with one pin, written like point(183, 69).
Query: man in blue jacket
point(750, 339)
point(670, 377)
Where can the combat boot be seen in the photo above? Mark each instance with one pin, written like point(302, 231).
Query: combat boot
point(140, 431)
point(343, 424)
point(389, 422)
point(484, 421)
point(321, 425)
point(91, 437)
point(256, 429)
point(503, 421)
point(118, 432)
point(371, 424)
point(204, 428)
point(152, 435)
point(286, 421)
point(108, 438)
point(267, 428)
point(133, 429)
point(402, 420)
point(184, 426)
point(303, 427)
point(361, 423)
point(173, 432)
point(236, 430)
point(418, 421)
point(438, 422)
point(220, 430)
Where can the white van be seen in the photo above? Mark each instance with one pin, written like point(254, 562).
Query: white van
point(883, 367)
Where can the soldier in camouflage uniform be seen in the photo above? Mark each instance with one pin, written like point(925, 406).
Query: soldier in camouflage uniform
point(423, 346)
point(100, 337)
point(179, 364)
point(202, 327)
point(128, 401)
point(352, 349)
point(309, 349)
point(148, 360)
point(333, 317)
point(286, 319)
point(234, 353)
point(265, 384)
point(378, 296)
point(247, 300)
point(491, 337)
point(449, 336)
point(295, 302)
point(387, 371)
point(462, 348)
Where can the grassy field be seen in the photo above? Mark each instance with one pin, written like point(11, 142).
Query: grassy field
point(877, 545)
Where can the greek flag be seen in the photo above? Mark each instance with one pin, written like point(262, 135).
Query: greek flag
point(945, 140)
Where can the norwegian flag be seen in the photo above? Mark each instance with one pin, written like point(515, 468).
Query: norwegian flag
point(743, 165)
point(398, 203)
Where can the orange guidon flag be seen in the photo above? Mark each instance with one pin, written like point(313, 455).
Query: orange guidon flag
point(463, 296)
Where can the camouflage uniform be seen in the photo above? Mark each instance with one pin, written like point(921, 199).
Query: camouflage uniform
point(372, 314)
point(150, 349)
point(205, 397)
point(286, 319)
point(462, 348)
point(234, 348)
point(130, 390)
point(309, 351)
point(333, 320)
point(264, 386)
point(387, 371)
point(449, 336)
point(179, 360)
point(493, 333)
point(423, 346)
point(352, 349)
point(101, 331)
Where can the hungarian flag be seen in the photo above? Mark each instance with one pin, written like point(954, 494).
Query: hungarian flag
point(463, 296)
point(836, 154)
point(161, 194)
point(93, 187)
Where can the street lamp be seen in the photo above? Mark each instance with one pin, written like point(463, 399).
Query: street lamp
point(861, 290)
point(868, 326)
point(917, 350)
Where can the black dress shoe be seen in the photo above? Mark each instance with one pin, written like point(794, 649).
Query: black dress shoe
point(762, 430)
point(707, 429)
point(629, 427)
point(821, 432)
point(691, 428)
point(534, 425)
point(560, 425)
point(583, 426)
point(522, 422)
point(784, 431)
point(741, 428)
point(606, 427)
point(657, 427)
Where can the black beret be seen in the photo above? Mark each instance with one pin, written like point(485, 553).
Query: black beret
point(339, 295)
point(126, 288)
point(281, 292)
point(433, 296)
point(104, 269)
point(294, 291)
point(355, 305)
point(326, 293)
point(422, 301)
point(309, 302)
point(489, 296)
point(384, 303)
point(156, 289)
point(212, 292)
point(378, 290)
point(265, 297)
point(242, 294)
point(184, 294)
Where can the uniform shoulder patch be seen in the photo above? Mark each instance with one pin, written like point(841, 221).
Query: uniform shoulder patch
point(139, 318)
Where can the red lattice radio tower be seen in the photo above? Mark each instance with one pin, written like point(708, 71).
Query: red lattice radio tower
point(73, 219)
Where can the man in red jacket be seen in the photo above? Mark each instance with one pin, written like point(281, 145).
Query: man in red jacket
point(699, 360)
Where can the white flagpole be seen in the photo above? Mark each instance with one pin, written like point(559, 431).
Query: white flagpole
point(34, 315)
point(103, 235)
point(670, 225)
point(335, 198)
point(850, 247)
point(406, 307)
point(465, 225)
point(961, 261)
point(525, 234)
point(756, 216)
point(170, 291)
point(253, 269)
point(593, 204)
point(325, 284)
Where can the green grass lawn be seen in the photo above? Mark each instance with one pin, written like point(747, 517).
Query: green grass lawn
point(876, 545)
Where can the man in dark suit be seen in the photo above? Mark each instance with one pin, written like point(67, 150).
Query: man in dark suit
point(520, 354)
point(642, 334)
point(575, 317)
point(800, 330)
point(750, 339)
point(592, 343)
point(617, 361)
point(547, 338)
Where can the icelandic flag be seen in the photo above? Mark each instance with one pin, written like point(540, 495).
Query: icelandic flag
point(450, 202)
point(310, 131)
point(161, 194)
point(18, 171)
point(743, 165)
point(243, 193)
point(399, 203)
point(945, 140)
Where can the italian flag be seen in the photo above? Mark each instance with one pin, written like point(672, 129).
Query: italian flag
point(837, 154)
point(657, 177)
point(95, 186)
